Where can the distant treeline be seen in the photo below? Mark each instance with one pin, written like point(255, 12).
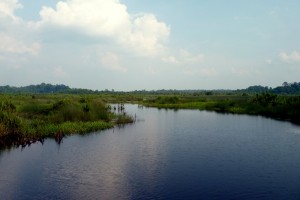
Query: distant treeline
point(44, 88)
point(286, 88)
point(35, 89)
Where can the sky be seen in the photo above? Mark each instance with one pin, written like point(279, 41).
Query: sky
point(150, 44)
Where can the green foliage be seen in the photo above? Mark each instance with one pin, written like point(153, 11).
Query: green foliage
point(35, 128)
point(220, 106)
point(266, 104)
point(9, 122)
point(7, 106)
point(288, 88)
point(24, 119)
point(265, 99)
point(167, 100)
point(209, 93)
point(99, 111)
point(283, 107)
point(35, 89)
point(34, 108)
point(257, 89)
point(123, 119)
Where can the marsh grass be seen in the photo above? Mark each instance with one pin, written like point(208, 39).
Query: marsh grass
point(266, 104)
point(25, 119)
point(123, 119)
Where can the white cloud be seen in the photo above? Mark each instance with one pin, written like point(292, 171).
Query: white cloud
point(8, 7)
point(170, 59)
point(186, 56)
point(102, 17)
point(111, 61)
point(147, 35)
point(142, 33)
point(15, 34)
point(60, 72)
point(293, 57)
point(10, 44)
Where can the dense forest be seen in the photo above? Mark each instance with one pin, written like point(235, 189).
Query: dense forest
point(285, 88)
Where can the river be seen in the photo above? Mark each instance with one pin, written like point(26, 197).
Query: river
point(165, 154)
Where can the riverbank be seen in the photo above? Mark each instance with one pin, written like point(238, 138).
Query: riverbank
point(283, 107)
point(25, 119)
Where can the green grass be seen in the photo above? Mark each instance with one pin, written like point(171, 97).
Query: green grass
point(275, 106)
point(25, 118)
point(31, 129)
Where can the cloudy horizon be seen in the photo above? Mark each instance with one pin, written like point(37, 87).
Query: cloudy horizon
point(134, 45)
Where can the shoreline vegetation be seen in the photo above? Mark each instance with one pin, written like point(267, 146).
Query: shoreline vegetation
point(281, 107)
point(26, 118)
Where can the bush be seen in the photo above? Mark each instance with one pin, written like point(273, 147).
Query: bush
point(167, 100)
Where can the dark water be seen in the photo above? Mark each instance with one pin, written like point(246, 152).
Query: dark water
point(166, 154)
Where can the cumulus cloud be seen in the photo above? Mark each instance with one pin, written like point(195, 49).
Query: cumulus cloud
point(293, 57)
point(102, 17)
point(142, 33)
point(14, 32)
point(10, 44)
point(111, 61)
point(8, 7)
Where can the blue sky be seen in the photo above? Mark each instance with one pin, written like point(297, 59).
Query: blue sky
point(150, 44)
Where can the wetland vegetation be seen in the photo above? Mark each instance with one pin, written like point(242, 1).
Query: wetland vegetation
point(25, 119)
point(284, 107)
point(32, 113)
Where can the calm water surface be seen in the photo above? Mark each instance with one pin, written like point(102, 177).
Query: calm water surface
point(166, 154)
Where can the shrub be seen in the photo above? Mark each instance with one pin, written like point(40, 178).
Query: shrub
point(167, 100)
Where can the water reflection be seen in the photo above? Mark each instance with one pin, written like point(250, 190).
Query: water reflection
point(164, 155)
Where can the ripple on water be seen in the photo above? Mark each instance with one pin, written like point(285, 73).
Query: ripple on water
point(168, 155)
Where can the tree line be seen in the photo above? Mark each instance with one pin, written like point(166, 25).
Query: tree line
point(285, 88)
point(43, 88)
